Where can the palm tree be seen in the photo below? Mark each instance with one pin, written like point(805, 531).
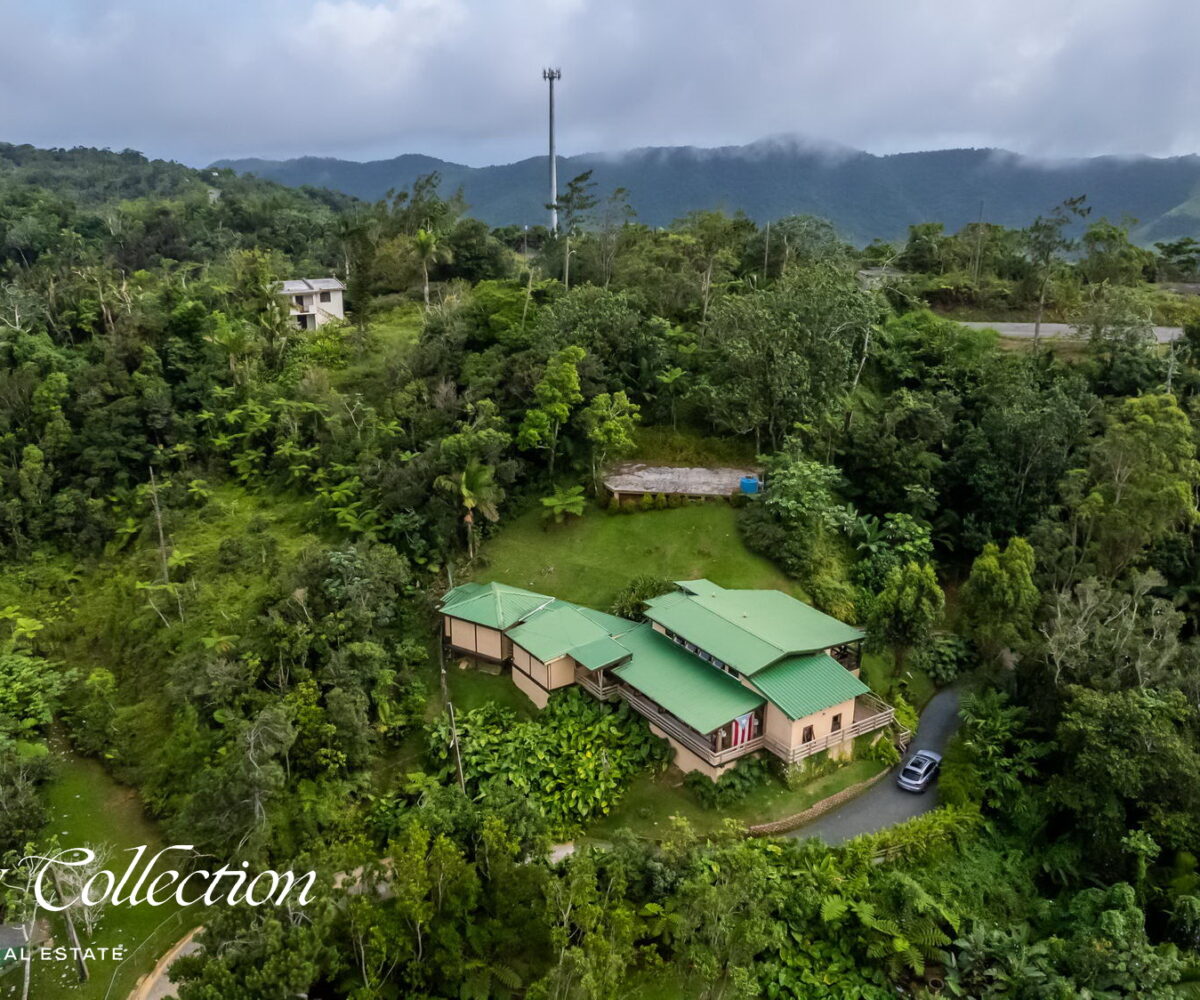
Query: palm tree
point(429, 251)
point(477, 489)
point(564, 502)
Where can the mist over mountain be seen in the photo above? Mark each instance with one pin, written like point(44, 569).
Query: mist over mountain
point(864, 195)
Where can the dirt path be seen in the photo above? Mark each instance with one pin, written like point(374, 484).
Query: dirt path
point(157, 985)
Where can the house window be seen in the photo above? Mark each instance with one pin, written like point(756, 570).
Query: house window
point(300, 301)
point(807, 735)
point(836, 725)
point(326, 297)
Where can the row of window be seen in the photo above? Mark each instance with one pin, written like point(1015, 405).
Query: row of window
point(691, 647)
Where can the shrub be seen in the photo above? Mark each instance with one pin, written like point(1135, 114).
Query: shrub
point(945, 658)
point(799, 774)
point(732, 787)
point(614, 505)
point(884, 751)
point(631, 601)
point(906, 716)
point(958, 781)
point(647, 502)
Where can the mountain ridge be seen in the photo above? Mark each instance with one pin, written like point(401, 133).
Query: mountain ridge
point(866, 195)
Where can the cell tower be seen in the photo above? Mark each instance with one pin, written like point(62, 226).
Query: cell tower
point(550, 75)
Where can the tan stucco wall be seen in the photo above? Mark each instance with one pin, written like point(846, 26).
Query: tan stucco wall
point(561, 672)
point(477, 638)
point(822, 721)
point(462, 634)
point(489, 642)
point(782, 731)
point(531, 690)
point(687, 761)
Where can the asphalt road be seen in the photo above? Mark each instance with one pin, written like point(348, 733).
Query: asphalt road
point(884, 804)
point(1163, 334)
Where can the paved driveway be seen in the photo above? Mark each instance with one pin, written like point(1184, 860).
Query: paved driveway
point(1163, 334)
point(884, 804)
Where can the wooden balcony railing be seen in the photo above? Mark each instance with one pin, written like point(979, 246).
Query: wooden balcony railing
point(698, 743)
point(587, 680)
point(870, 714)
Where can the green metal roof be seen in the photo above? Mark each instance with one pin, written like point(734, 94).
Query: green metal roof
point(695, 692)
point(748, 629)
point(564, 628)
point(602, 652)
point(801, 685)
point(495, 605)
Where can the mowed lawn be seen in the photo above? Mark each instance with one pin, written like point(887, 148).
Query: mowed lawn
point(588, 560)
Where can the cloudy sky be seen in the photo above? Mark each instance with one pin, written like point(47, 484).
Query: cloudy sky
point(461, 79)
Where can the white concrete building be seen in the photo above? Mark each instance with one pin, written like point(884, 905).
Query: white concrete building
point(314, 301)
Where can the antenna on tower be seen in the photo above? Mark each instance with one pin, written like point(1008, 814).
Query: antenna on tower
point(550, 75)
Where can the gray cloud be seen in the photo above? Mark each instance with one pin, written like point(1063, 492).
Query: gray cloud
point(461, 78)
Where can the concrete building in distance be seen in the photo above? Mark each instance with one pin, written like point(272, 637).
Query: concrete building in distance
point(718, 673)
point(314, 301)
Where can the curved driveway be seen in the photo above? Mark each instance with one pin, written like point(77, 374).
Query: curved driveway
point(884, 804)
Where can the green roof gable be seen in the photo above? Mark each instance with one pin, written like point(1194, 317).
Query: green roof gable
point(695, 692)
point(748, 629)
point(561, 628)
point(492, 604)
point(802, 685)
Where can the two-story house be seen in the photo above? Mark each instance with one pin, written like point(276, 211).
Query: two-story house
point(313, 302)
point(717, 673)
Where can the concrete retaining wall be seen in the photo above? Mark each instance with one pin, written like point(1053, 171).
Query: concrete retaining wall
point(789, 823)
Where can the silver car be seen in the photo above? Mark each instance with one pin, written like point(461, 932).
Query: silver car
point(921, 768)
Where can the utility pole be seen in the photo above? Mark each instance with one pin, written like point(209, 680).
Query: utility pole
point(550, 75)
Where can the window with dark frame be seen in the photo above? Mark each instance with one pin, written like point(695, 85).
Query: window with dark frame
point(836, 724)
point(807, 735)
point(326, 297)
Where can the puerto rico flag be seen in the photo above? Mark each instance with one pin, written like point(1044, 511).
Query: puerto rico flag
point(742, 730)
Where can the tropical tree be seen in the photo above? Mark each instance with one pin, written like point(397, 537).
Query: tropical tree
point(609, 421)
point(1045, 241)
point(1000, 597)
point(906, 610)
point(429, 251)
point(555, 395)
point(564, 502)
point(477, 490)
point(573, 206)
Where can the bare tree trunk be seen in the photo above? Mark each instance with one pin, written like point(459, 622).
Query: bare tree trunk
point(162, 541)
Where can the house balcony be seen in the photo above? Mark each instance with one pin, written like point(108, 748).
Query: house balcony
point(597, 683)
point(698, 743)
point(870, 714)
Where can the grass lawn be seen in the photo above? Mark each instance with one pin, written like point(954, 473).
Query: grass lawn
point(472, 688)
point(651, 801)
point(914, 684)
point(590, 559)
point(88, 807)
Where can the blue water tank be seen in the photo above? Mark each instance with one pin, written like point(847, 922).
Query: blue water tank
point(750, 484)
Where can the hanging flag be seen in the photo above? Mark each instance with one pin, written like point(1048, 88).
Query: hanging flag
point(741, 730)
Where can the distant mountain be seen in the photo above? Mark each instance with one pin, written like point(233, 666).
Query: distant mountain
point(863, 195)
